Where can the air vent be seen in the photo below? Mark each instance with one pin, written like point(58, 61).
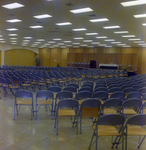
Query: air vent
point(92, 15)
point(69, 4)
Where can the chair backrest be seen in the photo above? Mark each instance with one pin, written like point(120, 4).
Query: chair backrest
point(70, 88)
point(44, 94)
point(111, 119)
point(101, 95)
point(135, 103)
point(64, 94)
point(101, 89)
point(134, 95)
point(85, 89)
point(92, 102)
point(128, 90)
point(54, 89)
point(73, 84)
point(83, 95)
point(114, 89)
point(68, 103)
point(112, 102)
point(23, 93)
point(142, 90)
point(138, 119)
point(118, 94)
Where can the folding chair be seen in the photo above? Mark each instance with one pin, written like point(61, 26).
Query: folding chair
point(67, 108)
point(90, 108)
point(106, 126)
point(44, 98)
point(131, 106)
point(23, 98)
point(111, 106)
point(134, 127)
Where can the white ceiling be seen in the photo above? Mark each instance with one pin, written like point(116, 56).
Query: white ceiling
point(60, 12)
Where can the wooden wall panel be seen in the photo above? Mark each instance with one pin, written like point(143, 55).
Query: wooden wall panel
point(64, 53)
point(143, 61)
point(44, 55)
point(0, 58)
point(19, 57)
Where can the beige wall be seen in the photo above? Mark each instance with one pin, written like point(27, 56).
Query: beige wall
point(19, 57)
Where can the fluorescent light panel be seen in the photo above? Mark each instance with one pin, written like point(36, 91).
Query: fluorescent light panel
point(13, 20)
point(133, 3)
point(67, 41)
point(80, 29)
point(63, 23)
point(82, 10)
point(12, 34)
point(91, 33)
point(40, 40)
point(78, 38)
point(87, 40)
point(134, 39)
point(128, 36)
point(95, 43)
point(13, 6)
point(109, 40)
point(12, 29)
point(140, 16)
point(144, 24)
point(76, 43)
point(42, 16)
point(120, 32)
point(35, 27)
point(57, 39)
point(111, 27)
point(99, 20)
point(28, 37)
point(101, 37)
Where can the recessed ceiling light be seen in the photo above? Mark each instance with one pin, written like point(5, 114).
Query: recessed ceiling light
point(82, 10)
point(90, 46)
point(62, 46)
point(84, 45)
point(140, 16)
point(115, 42)
point(102, 44)
point(40, 40)
point(13, 6)
point(134, 39)
point(95, 43)
point(109, 40)
point(121, 44)
point(37, 42)
point(128, 36)
point(13, 20)
point(75, 46)
point(120, 32)
point(26, 40)
point(2, 42)
point(108, 46)
point(78, 38)
point(101, 37)
point(12, 34)
point(139, 42)
point(1, 36)
point(111, 27)
point(144, 24)
point(28, 37)
point(47, 44)
point(13, 41)
point(91, 33)
point(126, 46)
point(67, 41)
point(12, 29)
point(60, 43)
point(68, 45)
point(63, 23)
point(87, 40)
point(35, 27)
point(42, 16)
point(1, 39)
point(76, 43)
point(57, 39)
point(144, 44)
point(99, 20)
point(80, 29)
point(51, 42)
point(133, 3)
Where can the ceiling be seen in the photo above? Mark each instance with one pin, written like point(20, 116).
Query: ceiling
point(60, 12)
